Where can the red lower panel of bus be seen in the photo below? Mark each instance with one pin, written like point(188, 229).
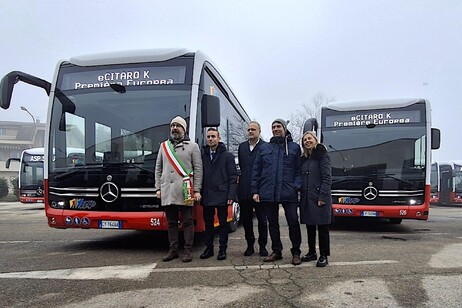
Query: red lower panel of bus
point(31, 199)
point(128, 220)
point(383, 211)
point(59, 218)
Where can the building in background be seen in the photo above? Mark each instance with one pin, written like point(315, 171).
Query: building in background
point(16, 137)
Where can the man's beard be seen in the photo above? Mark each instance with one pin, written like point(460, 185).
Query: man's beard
point(177, 136)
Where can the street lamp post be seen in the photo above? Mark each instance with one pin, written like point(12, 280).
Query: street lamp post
point(25, 109)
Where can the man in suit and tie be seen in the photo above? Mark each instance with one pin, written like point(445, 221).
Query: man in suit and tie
point(218, 191)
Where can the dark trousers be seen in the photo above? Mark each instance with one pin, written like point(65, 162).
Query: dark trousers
point(290, 210)
point(209, 216)
point(171, 212)
point(324, 241)
point(247, 208)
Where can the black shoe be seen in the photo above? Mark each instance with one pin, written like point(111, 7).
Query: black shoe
point(322, 261)
point(263, 251)
point(221, 254)
point(272, 257)
point(249, 251)
point(310, 257)
point(208, 252)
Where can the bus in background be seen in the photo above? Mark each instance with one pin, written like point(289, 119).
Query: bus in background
point(450, 183)
point(380, 152)
point(108, 114)
point(30, 177)
point(435, 183)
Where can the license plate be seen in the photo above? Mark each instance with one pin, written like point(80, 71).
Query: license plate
point(110, 224)
point(369, 213)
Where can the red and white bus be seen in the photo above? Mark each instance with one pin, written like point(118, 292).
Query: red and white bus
point(381, 156)
point(30, 177)
point(447, 183)
point(107, 115)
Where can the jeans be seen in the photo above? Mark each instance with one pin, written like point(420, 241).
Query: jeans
point(290, 210)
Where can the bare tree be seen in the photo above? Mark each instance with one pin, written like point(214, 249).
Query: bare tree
point(308, 110)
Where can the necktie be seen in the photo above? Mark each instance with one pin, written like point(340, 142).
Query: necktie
point(212, 155)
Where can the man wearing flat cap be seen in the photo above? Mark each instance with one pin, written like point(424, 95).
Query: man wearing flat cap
point(178, 176)
point(276, 179)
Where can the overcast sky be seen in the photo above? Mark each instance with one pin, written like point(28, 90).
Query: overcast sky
point(276, 55)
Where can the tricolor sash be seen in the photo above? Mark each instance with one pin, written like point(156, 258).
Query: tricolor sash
point(188, 190)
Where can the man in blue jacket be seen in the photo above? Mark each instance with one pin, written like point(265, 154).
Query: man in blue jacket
point(276, 179)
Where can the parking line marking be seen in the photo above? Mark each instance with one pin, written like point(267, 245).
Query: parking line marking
point(267, 266)
point(133, 272)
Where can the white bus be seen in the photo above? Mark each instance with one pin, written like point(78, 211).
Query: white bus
point(116, 108)
point(381, 156)
point(30, 177)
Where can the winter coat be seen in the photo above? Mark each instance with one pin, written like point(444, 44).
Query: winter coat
point(169, 181)
point(220, 177)
point(246, 161)
point(316, 185)
point(276, 172)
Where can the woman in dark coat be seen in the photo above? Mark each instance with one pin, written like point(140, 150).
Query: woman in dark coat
point(316, 199)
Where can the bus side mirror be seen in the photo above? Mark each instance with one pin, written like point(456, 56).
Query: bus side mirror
point(311, 125)
point(436, 138)
point(8, 162)
point(10, 79)
point(210, 112)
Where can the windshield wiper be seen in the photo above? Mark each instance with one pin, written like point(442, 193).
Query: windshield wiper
point(127, 164)
point(391, 176)
point(344, 178)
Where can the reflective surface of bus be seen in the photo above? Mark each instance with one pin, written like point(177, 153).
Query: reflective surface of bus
point(380, 152)
point(30, 177)
point(107, 116)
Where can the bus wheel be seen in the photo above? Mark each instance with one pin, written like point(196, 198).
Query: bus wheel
point(236, 217)
point(395, 221)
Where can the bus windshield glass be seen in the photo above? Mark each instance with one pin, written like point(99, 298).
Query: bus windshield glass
point(458, 178)
point(117, 115)
point(392, 153)
point(31, 171)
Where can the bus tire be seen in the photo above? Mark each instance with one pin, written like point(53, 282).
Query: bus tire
point(233, 224)
point(395, 221)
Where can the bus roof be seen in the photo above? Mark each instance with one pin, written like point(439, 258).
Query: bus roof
point(35, 151)
point(450, 163)
point(129, 56)
point(367, 104)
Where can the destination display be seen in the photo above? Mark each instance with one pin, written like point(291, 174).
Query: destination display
point(364, 118)
point(33, 158)
point(139, 76)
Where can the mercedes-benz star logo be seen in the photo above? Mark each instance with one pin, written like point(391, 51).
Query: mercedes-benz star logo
point(109, 192)
point(370, 193)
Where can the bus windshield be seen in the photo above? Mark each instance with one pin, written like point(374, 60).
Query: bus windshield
point(113, 128)
point(394, 155)
point(31, 171)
